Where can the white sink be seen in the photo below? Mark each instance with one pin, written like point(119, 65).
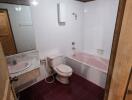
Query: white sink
point(23, 67)
point(19, 67)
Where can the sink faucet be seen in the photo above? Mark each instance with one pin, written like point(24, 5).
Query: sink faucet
point(23, 55)
point(14, 62)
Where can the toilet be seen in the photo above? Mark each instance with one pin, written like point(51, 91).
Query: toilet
point(57, 63)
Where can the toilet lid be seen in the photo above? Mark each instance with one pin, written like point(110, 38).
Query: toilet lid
point(64, 68)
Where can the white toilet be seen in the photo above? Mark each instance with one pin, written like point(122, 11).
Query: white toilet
point(57, 63)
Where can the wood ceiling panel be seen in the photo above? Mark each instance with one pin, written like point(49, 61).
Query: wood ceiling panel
point(18, 2)
point(27, 2)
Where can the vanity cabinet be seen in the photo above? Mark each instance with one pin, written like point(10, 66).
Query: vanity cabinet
point(24, 69)
point(25, 80)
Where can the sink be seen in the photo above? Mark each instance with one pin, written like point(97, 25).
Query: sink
point(13, 69)
point(23, 67)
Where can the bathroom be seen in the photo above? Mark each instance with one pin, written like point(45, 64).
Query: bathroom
point(79, 31)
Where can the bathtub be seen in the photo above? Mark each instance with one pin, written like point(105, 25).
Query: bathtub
point(90, 67)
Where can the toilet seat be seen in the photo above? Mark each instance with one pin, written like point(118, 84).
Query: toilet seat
point(63, 70)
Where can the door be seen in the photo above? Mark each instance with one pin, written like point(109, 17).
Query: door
point(123, 59)
point(129, 89)
point(6, 35)
point(6, 91)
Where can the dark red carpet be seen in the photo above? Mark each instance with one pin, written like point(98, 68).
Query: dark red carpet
point(78, 89)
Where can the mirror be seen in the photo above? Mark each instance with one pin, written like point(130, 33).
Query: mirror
point(16, 29)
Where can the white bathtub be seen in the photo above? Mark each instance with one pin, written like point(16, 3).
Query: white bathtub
point(90, 67)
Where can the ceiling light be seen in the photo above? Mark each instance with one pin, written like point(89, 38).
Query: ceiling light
point(19, 8)
point(34, 2)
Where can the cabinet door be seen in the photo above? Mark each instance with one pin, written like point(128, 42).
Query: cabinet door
point(6, 92)
point(6, 35)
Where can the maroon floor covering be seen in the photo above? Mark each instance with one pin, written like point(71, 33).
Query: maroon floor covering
point(78, 89)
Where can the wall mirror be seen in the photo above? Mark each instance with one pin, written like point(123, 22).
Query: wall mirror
point(16, 29)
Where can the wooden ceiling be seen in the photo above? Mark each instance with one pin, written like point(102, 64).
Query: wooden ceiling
point(85, 0)
point(18, 2)
point(26, 2)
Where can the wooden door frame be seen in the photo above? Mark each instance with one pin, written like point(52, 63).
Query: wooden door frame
point(6, 10)
point(116, 36)
point(8, 91)
point(127, 85)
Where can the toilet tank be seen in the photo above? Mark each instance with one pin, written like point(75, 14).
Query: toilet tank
point(54, 61)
